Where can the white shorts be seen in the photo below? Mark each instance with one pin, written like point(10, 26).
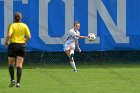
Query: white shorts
point(68, 45)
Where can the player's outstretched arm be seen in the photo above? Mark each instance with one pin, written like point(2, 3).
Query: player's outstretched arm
point(81, 36)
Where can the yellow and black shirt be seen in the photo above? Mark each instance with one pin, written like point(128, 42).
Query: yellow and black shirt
point(18, 30)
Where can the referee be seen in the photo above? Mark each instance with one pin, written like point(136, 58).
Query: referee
point(18, 34)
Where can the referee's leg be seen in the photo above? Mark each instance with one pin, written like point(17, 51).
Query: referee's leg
point(11, 62)
point(19, 63)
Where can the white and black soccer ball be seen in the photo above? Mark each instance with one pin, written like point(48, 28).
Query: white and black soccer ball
point(91, 37)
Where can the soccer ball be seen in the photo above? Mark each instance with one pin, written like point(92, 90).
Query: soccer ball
point(91, 37)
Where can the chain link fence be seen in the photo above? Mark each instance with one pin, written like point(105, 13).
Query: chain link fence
point(95, 57)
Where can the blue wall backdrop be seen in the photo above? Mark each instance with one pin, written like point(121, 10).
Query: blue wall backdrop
point(116, 23)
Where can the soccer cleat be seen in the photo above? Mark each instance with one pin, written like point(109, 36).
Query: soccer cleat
point(75, 70)
point(17, 85)
point(71, 55)
point(12, 83)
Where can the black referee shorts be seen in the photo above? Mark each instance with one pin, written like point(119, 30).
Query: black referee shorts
point(16, 49)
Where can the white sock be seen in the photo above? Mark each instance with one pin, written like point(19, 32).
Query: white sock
point(73, 65)
point(71, 52)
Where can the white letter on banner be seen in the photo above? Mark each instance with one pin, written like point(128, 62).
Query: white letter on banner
point(43, 21)
point(92, 20)
point(8, 15)
point(118, 32)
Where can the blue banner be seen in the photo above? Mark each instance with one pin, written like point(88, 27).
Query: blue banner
point(114, 22)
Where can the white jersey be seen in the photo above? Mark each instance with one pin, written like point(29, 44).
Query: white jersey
point(70, 39)
point(71, 36)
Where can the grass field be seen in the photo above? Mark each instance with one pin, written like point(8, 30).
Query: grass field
point(116, 78)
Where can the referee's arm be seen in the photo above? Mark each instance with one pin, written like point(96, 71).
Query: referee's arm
point(28, 34)
point(9, 34)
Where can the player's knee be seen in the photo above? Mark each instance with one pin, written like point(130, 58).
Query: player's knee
point(72, 59)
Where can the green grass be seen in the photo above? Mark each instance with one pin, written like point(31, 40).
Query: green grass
point(89, 79)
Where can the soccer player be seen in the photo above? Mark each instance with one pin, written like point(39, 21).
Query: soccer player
point(18, 34)
point(72, 40)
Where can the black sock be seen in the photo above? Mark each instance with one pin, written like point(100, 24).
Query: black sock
point(19, 72)
point(11, 72)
